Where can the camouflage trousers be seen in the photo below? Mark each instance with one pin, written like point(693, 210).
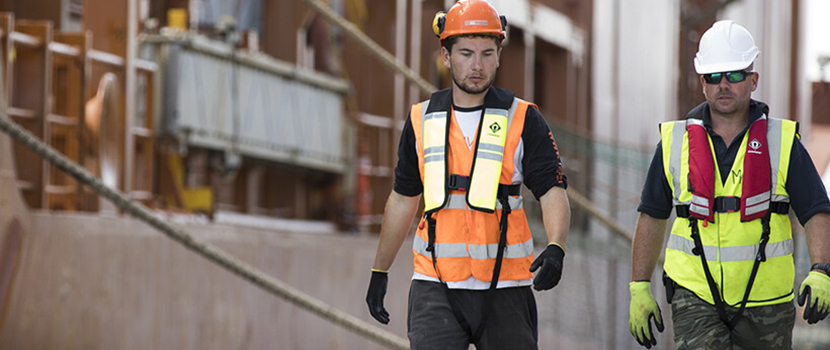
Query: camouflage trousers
point(698, 326)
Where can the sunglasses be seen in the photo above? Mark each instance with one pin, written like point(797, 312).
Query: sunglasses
point(732, 77)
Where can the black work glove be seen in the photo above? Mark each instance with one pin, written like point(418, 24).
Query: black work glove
point(551, 263)
point(374, 297)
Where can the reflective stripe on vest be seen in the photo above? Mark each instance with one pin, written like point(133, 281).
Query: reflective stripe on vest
point(434, 127)
point(729, 244)
point(474, 251)
point(730, 254)
point(487, 164)
point(676, 139)
point(777, 129)
point(484, 179)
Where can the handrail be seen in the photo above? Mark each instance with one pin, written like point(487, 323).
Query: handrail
point(106, 58)
point(97, 56)
point(609, 222)
point(21, 112)
point(261, 61)
point(61, 120)
point(146, 65)
point(64, 49)
point(376, 120)
point(25, 39)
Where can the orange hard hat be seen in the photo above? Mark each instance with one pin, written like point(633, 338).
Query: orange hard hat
point(469, 17)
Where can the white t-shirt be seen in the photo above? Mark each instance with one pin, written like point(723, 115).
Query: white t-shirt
point(468, 123)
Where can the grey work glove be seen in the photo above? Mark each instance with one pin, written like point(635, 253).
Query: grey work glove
point(374, 297)
point(550, 261)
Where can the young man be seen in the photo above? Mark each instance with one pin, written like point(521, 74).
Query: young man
point(731, 174)
point(468, 149)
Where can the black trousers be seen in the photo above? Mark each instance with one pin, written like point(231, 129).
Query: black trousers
point(433, 325)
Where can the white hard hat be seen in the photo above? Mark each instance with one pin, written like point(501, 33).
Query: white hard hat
point(725, 47)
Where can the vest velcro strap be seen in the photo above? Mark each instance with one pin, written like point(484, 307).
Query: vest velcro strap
point(461, 183)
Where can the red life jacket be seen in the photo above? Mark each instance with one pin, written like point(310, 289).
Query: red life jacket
point(756, 185)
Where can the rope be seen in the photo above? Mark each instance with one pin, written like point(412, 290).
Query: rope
point(206, 250)
point(609, 222)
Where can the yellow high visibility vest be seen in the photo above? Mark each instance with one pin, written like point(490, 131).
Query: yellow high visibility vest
point(730, 246)
point(487, 164)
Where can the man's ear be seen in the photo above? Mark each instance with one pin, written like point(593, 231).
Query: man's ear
point(445, 56)
point(755, 78)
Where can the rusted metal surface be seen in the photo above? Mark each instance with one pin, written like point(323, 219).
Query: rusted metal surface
point(817, 146)
point(821, 103)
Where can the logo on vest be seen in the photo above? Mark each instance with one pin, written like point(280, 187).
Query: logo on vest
point(755, 145)
point(495, 127)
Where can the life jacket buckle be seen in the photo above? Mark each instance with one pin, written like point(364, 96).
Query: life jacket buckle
point(727, 204)
point(458, 182)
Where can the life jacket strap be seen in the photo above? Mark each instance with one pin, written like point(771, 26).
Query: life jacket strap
point(725, 204)
point(462, 183)
point(494, 281)
point(713, 288)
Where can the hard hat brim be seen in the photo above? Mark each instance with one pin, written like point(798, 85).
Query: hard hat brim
point(717, 68)
point(701, 68)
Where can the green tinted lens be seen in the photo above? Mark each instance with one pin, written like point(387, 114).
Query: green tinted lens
point(736, 77)
point(713, 78)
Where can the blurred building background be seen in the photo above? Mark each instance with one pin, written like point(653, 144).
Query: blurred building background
point(270, 129)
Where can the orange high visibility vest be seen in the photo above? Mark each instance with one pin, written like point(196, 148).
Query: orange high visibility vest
point(467, 231)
